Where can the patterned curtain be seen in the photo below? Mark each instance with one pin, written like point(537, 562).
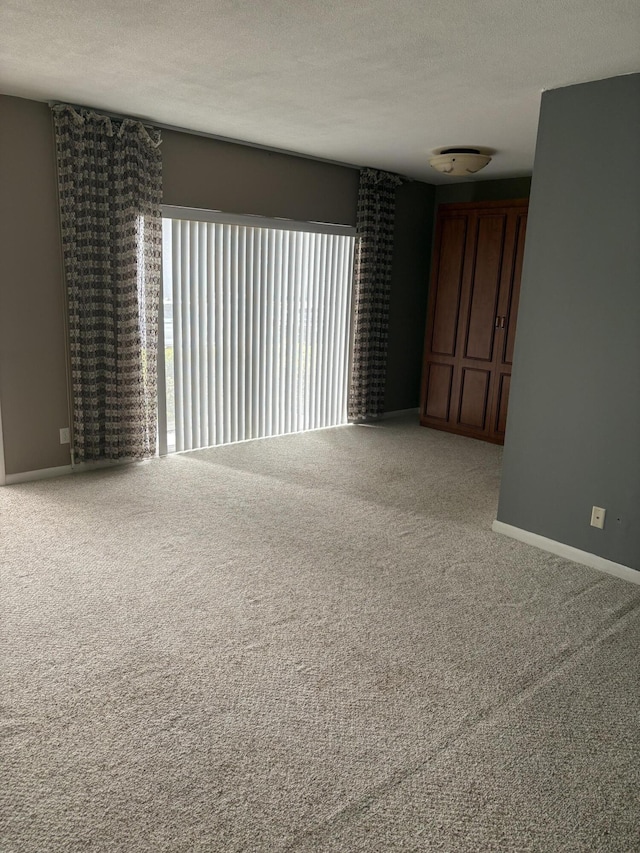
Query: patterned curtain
point(110, 190)
point(372, 285)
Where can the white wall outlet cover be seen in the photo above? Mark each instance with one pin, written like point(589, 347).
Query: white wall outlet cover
point(64, 435)
point(597, 517)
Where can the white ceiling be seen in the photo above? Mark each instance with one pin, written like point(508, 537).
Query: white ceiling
point(370, 82)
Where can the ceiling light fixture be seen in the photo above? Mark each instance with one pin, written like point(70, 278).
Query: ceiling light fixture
point(460, 162)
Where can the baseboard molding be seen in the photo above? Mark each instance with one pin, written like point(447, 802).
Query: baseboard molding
point(40, 474)
point(398, 413)
point(62, 470)
point(567, 551)
point(3, 478)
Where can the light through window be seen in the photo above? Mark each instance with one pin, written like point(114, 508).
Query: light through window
point(256, 328)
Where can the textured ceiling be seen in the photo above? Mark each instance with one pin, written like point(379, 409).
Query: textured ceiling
point(370, 82)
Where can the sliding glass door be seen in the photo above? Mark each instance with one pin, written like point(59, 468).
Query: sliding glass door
point(256, 328)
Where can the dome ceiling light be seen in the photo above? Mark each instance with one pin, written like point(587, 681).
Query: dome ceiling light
point(460, 162)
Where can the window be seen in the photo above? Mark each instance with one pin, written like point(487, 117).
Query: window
point(256, 326)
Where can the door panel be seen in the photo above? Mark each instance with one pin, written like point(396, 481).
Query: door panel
point(449, 283)
point(487, 266)
point(439, 391)
point(474, 392)
point(504, 387)
point(510, 331)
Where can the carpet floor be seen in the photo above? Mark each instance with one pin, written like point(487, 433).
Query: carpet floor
point(308, 643)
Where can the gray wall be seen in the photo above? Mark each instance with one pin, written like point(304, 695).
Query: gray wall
point(206, 173)
point(496, 190)
point(33, 384)
point(409, 290)
point(198, 172)
point(573, 434)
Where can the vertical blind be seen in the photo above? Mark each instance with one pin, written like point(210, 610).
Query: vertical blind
point(256, 330)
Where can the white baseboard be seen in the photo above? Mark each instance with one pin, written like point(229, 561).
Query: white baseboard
point(3, 478)
point(567, 551)
point(398, 413)
point(40, 474)
point(61, 470)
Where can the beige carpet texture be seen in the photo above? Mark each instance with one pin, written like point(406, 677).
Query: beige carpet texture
point(308, 643)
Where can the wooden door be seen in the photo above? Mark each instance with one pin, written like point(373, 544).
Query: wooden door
point(471, 318)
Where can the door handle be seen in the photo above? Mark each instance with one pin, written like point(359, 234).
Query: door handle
point(503, 322)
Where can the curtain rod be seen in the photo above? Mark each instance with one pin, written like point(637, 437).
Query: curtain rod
point(116, 116)
point(150, 124)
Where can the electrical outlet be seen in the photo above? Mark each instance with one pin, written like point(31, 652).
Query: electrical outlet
point(597, 517)
point(64, 436)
